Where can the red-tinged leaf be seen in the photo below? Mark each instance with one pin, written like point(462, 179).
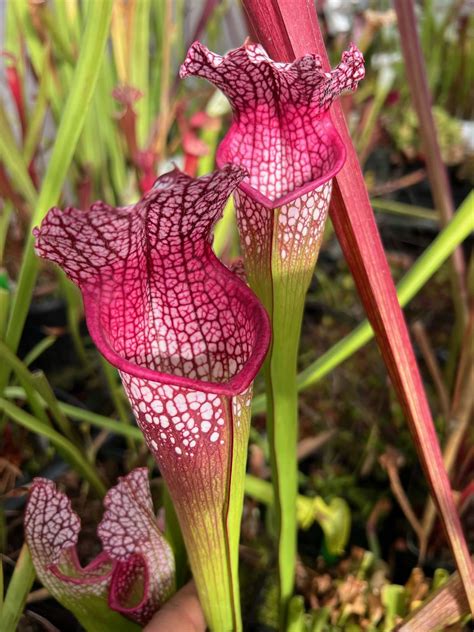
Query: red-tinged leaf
point(15, 86)
point(466, 497)
point(289, 29)
point(445, 607)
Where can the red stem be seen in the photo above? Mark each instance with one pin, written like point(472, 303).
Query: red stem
point(437, 173)
point(16, 91)
point(289, 29)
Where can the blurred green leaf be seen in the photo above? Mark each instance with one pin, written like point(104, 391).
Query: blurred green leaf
point(69, 451)
point(18, 589)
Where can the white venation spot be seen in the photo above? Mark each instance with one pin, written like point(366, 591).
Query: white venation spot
point(205, 426)
point(157, 406)
point(214, 436)
point(147, 394)
point(171, 408)
point(206, 411)
point(180, 402)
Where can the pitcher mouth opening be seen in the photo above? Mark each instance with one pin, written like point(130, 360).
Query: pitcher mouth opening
point(230, 386)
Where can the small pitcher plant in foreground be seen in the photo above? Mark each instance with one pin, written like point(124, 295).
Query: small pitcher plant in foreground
point(133, 575)
point(283, 135)
point(188, 337)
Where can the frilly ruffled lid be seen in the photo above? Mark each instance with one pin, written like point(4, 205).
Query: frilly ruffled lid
point(159, 305)
point(282, 132)
point(135, 571)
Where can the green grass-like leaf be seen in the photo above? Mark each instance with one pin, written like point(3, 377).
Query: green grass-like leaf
point(86, 73)
point(18, 589)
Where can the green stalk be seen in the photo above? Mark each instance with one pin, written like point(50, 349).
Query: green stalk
point(400, 208)
point(35, 352)
point(23, 24)
point(85, 77)
point(7, 212)
point(333, 518)
point(383, 85)
point(57, 35)
point(224, 229)
point(74, 313)
point(11, 157)
point(64, 12)
point(4, 306)
point(165, 78)
point(36, 121)
point(281, 282)
point(114, 387)
point(81, 414)
point(296, 613)
point(112, 141)
point(43, 387)
point(226, 225)
point(282, 420)
point(211, 138)
point(25, 378)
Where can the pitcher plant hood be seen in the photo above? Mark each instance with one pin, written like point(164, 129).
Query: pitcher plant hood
point(282, 132)
point(159, 305)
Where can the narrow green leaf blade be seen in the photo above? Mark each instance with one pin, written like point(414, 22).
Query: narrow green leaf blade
point(85, 78)
point(18, 589)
